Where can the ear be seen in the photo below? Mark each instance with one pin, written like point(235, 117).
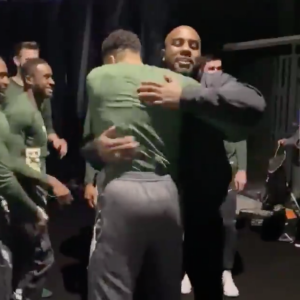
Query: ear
point(163, 53)
point(110, 60)
point(16, 61)
point(28, 80)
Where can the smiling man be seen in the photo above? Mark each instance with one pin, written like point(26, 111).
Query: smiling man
point(29, 133)
point(182, 50)
point(219, 109)
point(23, 52)
point(27, 219)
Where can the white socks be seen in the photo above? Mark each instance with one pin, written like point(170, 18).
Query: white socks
point(186, 286)
point(229, 287)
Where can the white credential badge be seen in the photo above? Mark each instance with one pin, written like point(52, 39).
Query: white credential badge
point(33, 158)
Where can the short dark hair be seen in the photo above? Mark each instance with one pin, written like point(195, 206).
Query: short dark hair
point(26, 45)
point(30, 65)
point(210, 57)
point(120, 40)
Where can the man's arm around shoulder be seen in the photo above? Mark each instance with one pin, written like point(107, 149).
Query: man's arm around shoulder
point(223, 99)
point(220, 88)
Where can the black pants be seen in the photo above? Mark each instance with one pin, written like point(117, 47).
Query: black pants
point(203, 239)
point(32, 258)
point(228, 212)
point(138, 253)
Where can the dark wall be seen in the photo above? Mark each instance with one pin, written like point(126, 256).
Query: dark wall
point(59, 27)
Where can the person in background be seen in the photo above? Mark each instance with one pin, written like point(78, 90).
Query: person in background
point(237, 156)
point(291, 141)
point(21, 212)
point(23, 52)
point(27, 128)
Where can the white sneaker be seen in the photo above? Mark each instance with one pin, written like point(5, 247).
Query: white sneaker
point(186, 286)
point(18, 294)
point(229, 287)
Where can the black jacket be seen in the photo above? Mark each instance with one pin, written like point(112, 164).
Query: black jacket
point(203, 158)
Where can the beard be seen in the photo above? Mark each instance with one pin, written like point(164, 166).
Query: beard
point(192, 72)
point(183, 71)
point(189, 72)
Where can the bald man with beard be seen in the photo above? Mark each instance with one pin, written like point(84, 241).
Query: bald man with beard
point(205, 171)
point(225, 111)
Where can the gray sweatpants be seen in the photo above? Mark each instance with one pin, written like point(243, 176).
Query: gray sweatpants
point(228, 212)
point(138, 252)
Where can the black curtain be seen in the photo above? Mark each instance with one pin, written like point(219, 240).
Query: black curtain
point(70, 33)
point(58, 26)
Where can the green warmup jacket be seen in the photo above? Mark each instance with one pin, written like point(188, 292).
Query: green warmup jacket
point(28, 129)
point(14, 90)
point(13, 167)
point(237, 154)
point(30, 139)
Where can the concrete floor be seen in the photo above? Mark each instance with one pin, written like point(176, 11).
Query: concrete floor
point(269, 268)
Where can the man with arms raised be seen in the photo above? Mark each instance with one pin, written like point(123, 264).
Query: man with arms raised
point(22, 209)
point(30, 142)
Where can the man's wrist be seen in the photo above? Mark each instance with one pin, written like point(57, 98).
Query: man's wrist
point(52, 137)
point(51, 181)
